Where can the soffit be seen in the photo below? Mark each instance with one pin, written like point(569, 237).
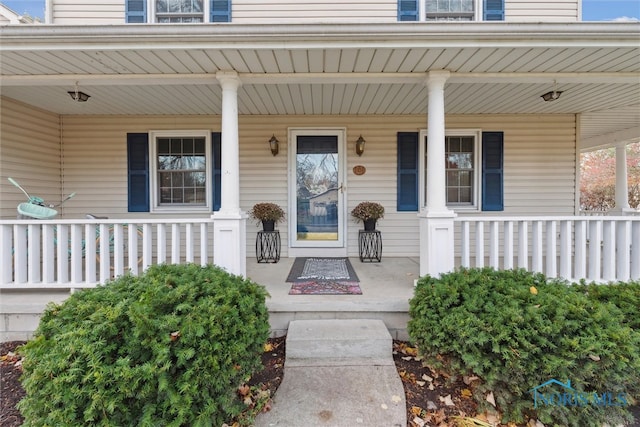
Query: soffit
point(328, 69)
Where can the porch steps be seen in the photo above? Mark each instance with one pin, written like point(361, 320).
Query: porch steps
point(338, 342)
point(338, 372)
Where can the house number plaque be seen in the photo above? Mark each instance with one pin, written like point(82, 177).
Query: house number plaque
point(359, 170)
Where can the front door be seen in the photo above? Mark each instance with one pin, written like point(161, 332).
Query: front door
point(317, 192)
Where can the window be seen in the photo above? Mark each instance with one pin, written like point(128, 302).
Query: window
point(474, 171)
point(450, 10)
point(174, 170)
point(182, 171)
point(461, 170)
point(179, 11)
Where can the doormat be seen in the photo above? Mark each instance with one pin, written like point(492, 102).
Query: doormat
point(325, 287)
point(323, 276)
point(308, 269)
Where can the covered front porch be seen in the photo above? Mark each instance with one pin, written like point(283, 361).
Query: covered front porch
point(50, 259)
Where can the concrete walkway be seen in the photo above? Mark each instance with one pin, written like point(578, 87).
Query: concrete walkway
point(338, 372)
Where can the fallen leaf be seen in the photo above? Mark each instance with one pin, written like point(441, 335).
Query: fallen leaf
point(174, 335)
point(427, 378)
point(244, 390)
point(416, 410)
point(492, 418)
point(466, 393)
point(447, 400)
point(594, 357)
point(268, 347)
point(491, 399)
point(533, 290)
point(419, 422)
point(407, 358)
point(421, 383)
point(468, 380)
point(439, 417)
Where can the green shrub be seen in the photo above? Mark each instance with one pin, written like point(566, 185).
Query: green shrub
point(168, 348)
point(517, 330)
point(625, 296)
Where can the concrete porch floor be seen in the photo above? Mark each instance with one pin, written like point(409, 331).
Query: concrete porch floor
point(386, 287)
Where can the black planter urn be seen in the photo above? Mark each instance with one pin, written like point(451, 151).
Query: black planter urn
point(268, 225)
point(370, 224)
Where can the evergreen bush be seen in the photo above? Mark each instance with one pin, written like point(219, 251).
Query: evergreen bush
point(167, 348)
point(625, 296)
point(517, 330)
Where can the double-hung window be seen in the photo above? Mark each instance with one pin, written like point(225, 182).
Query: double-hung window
point(461, 160)
point(474, 170)
point(179, 11)
point(180, 178)
point(451, 10)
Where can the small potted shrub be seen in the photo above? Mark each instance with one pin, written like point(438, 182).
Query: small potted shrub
point(267, 213)
point(368, 213)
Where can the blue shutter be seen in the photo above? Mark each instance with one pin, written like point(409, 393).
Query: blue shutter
point(138, 172)
point(136, 11)
point(407, 171)
point(216, 154)
point(492, 171)
point(407, 10)
point(220, 11)
point(494, 10)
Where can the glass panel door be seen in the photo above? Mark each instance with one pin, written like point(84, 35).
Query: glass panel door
point(318, 192)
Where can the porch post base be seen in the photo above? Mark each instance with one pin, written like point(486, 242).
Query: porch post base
point(230, 242)
point(436, 242)
point(616, 211)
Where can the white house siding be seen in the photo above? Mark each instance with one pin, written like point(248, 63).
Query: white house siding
point(306, 11)
point(539, 165)
point(87, 12)
point(29, 153)
point(542, 10)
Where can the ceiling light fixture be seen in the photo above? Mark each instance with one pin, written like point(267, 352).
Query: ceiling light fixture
point(78, 96)
point(553, 95)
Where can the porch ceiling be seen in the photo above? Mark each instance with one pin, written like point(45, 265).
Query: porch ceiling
point(333, 69)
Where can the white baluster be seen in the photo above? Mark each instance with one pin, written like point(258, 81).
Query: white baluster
point(33, 258)
point(608, 250)
point(90, 252)
point(635, 250)
point(161, 243)
point(118, 250)
point(6, 254)
point(48, 253)
point(523, 245)
point(62, 238)
point(565, 249)
point(536, 256)
point(595, 250)
point(175, 243)
point(105, 255)
point(623, 250)
point(580, 259)
point(204, 234)
point(76, 253)
point(508, 245)
point(494, 244)
point(189, 242)
point(479, 244)
point(147, 246)
point(552, 242)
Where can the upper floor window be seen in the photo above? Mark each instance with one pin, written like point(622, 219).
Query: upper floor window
point(177, 11)
point(450, 10)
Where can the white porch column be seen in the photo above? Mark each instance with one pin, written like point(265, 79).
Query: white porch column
point(436, 220)
point(230, 223)
point(622, 188)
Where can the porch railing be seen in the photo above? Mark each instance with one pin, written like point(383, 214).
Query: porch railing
point(77, 253)
point(596, 248)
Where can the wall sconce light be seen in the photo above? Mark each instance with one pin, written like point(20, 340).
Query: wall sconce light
point(360, 146)
point(273, 145)
point(78, 96)
point(551, 96)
